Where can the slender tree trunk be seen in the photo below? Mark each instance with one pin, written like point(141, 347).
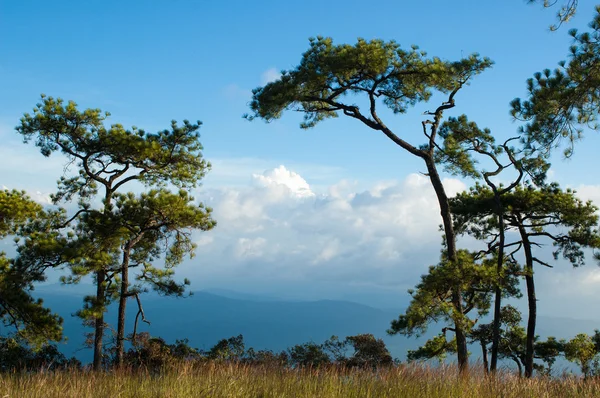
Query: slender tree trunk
point(99, 321)
point(484, 355)
point(519, 366)
point(124, 295)
point(531, 321)
point(122, 308)
point(498, 292)
point(531, 300)
point(101, 298)
point(461, 339)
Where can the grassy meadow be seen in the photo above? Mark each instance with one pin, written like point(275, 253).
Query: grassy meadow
point(213, 380)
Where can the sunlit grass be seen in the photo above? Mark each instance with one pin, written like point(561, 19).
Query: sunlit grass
point(213, 380)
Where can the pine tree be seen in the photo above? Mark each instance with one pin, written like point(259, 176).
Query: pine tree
point(108, 160)
point(330, 77)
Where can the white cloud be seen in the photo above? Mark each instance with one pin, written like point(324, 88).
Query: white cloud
point(314, 233)
point(239, 171)
point(568, 291)
point(282, 177)
point(41, 197)
point(278, 235)
point(385, 235)
point(250, 248)
point(330, 250)
point(589, 192)
point(270, 75)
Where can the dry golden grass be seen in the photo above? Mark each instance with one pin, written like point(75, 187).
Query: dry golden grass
point(213, 380)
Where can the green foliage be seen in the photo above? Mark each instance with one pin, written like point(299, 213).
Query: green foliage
point(510, 328)
point(376, 72)
point(231, 349)
point(431, 299)
point(582, 350)
point(160, 213)
point(106, 154)
point(308, 355)
point(537, 210)
point(368, 352)
point(560, 104)
point(156, 224)
point(336, 348)
point(513, 338)
point(380, 70)
point(16, 209)
point(128, 231)
point(437, 347)
point(154, 353)
point(266, 358)
point(463, 139)
point(548, 351)
point(566, 11)
point(16, 355)
point(460, 139)
point(21, 216)
point(536, 214)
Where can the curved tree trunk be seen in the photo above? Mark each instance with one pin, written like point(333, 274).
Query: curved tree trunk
point(484, 355)
point(461, 339)
point(519, 366)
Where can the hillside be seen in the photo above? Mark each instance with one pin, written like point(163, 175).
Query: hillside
point(266, 323)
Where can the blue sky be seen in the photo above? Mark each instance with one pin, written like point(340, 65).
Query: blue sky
point(148, 62)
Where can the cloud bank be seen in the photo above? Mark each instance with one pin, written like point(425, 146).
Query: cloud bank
point(278, 235)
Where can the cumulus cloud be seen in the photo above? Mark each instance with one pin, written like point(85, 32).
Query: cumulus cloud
point(385, 235)
point(283, 231)
point(278, 235)
point(282, 177)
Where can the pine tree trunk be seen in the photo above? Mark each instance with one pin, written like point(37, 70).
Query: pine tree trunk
point(99, 321)
point(122, 308)
point(124, 295)
point(531, 300)
point(484, 355)
point(461, 339)
point(496, 329)
point(101, 298)
point(498, 292)
point(519, 366)
point(531, 321)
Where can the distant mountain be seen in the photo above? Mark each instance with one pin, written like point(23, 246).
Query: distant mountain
point(232, 294)
point(266, 323)
point(205, 318)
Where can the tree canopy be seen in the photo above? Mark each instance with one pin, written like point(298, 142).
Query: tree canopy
point(108, 158)
point(18, 309)
point(562, 103)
